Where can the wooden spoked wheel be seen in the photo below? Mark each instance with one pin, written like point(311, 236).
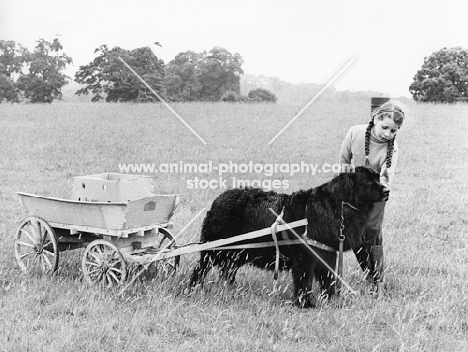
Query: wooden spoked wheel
point(36, 246)
point(103, 264)
point(166, 267)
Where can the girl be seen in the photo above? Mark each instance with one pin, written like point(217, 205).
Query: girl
point(373, 145)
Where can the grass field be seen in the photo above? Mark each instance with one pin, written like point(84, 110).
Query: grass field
point(425, 232)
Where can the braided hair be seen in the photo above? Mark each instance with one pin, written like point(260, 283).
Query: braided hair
point(392, 111)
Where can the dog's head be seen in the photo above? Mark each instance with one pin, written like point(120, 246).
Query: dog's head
point(361, 187)
point(369, 187)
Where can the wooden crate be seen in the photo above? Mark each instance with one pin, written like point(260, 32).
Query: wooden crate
point(111, 187)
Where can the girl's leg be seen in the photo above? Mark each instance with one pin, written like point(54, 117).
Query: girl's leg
point(370, 256)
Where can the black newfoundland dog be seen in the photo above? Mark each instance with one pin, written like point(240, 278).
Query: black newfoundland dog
point(238, 211)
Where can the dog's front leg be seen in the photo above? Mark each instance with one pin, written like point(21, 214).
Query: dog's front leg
point(324, 274)
point(303, 278)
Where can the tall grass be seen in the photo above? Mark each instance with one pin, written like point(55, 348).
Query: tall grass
point(425, 232)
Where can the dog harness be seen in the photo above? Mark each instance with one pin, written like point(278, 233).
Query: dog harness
point(300, 240)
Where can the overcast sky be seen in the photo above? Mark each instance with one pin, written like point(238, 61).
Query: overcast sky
point(298, 41)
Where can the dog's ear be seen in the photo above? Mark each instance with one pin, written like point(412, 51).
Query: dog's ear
point(346, 182)
point(361, 173)
point(345, 186)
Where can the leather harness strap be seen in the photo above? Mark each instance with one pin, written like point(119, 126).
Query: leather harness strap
point(275, 240)
point(308, 241)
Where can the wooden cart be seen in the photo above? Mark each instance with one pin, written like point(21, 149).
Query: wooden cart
point(113, 233)
point(119, 221)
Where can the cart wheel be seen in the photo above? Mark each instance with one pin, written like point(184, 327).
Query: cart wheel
point(167, 267)
point(103, 263)
point(36, 246)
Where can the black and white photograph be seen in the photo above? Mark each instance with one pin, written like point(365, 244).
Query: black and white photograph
point(233, 175)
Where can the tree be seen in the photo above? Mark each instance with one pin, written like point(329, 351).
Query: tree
point(45, 79)
point(7, 89)
point(220, 72)
point(106, 77)
point(181, 78)
point(13, 58)
point(261, 94)
point(443, 77)
point(206, 76)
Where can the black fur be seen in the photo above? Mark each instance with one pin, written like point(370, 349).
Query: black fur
point(238, 211)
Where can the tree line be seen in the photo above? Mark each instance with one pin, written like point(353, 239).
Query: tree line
point(38, 76)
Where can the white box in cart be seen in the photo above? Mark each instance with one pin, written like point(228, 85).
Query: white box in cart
point(111, 187)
